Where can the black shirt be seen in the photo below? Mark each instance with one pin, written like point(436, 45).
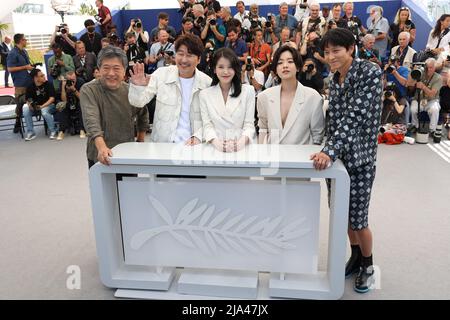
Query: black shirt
point(395, 31)
point(67, 48)
point(92, 44)
point(390, 115)
point(444, 95)
point(41, 94)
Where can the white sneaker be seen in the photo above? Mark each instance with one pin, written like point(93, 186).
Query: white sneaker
point(30, 136)
point(82, 134)
point(53, 135)
point(60, 136)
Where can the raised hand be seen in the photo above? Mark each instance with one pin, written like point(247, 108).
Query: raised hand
point(138, 77)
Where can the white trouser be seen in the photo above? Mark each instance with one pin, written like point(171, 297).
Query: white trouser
point(432, 107)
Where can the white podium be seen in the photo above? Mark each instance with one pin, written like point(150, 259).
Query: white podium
point(179, 222)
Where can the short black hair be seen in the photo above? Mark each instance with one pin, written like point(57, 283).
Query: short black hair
point(187, 19)
point(56, 45)
point(34, 72)
point(163, 15)
point(89, 22)
point(295, 55)
point(338, 37)
point(18, 37)
point(193, 44)
point(228, 54)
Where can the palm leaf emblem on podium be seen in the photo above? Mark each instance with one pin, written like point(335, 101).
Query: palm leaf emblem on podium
point(222, 231)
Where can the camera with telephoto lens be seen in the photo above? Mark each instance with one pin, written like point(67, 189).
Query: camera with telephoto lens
point(113, 37)
point(254, 24)
point(69, 83)
point(248, 64)
point(268, 23)
point(389, 90)
point(310, 68)
point(408, 25)
point(418, 70)
point(213, 22)
point(392, 60)
point(98, 18)
point(201, 21)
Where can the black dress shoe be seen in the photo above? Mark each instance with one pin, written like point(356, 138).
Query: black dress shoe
point(364, 280)
point(352, 266)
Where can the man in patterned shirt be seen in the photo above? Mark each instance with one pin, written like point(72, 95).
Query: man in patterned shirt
point(354, 118)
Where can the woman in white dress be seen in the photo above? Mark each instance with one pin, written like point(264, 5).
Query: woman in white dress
point(227, 107)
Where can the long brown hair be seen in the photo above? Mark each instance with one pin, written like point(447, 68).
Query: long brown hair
point(437, 28)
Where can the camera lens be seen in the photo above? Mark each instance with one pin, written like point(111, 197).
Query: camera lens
point(212, 22)
point(309, 68)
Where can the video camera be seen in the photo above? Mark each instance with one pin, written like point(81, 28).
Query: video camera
point(417, 70)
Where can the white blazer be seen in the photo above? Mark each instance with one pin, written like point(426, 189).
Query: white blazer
point(165, 84)
point(228, 120)
point(305, 122)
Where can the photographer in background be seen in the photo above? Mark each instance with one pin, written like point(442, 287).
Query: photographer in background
point(62, 36)
point(311, 50)
point(91, 39)
point(163, 23)
point(394, 106)
point(425, 83)
point(40, 96)
point(69, 109)
point(398, 75)
point(186, 6)
point(379, 27)
point(260, 52)
point(213, 31)
point(19, 65)
point(198, 14)
point(252, 76)
point(254, 16)
point(284, 19)
point(187, 26)
point(310, 77)
point(352, 22)
point(142, 37)
point(284, 41)
point(313, 23)
point(162, 53)
point(237, 45)
point(134, 53)
point(103, 17)
point(59, 64)
point(336, 17)
point(114, 38)
point(301, 9)
point(84, 62)
point(268, 29)
point(403, 51)
point(368, 52)
point(206, 59)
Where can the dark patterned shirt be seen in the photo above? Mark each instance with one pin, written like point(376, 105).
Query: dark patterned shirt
point(354, 115)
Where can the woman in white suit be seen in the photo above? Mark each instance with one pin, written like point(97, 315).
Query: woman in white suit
point(290, 113)
point(227, 107)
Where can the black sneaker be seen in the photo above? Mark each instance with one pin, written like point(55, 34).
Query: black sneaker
point(364, 280)
point(352, 266)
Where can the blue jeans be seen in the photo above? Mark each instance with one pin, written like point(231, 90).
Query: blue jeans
point(46, 112)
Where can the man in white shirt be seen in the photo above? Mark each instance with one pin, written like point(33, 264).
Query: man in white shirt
point(240, 6)
point(253, 77)
point(177, 112)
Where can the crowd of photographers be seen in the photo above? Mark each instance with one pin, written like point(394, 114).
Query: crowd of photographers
point(417, 84)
